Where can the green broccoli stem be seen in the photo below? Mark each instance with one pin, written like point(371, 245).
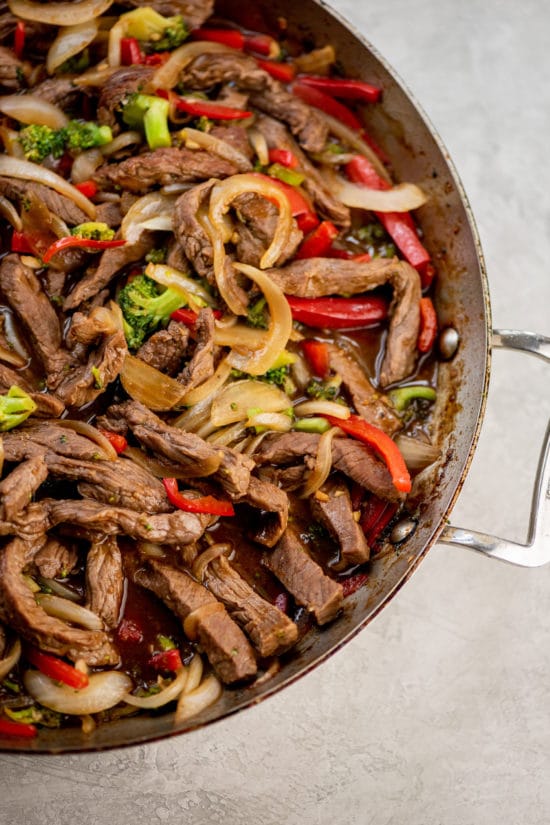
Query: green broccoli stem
point(311, 425)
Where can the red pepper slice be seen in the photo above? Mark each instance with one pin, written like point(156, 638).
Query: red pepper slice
point(283, 72)
point(116, 440)
point(352, 583)
point(20, 243)
point(129, 631)
point(316, 353)
point(130, 51)
point(327, 104)
point(80, 243)
point(227, 37)
point(285, 157)
point(88, 188)
point(205, 504)
point(261, 44)
point(307, 221)
point(189, 317)
point(156, 59)
point(338, 313)
point(376, 517)
point(342, 87)
point(381, 443)
point(19, 39)
point(428, 325)
point(204, 108)
point(300, 206)
point(318, 242)
point(10, 728)
point(57, 669)
point(167, 660)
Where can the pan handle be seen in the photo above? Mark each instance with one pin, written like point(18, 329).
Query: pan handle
point(536, 551)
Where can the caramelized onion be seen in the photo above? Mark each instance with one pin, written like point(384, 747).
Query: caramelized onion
point(121, 141)
point(194, 673)
point(59, 14)
point(417, 454)
point(323, 463)
point(211, 386)
point(237, 399)
point(104, 691)
point(277, 422)
point(191, 419)
point(11, 357)
point(25, 170)
point(322, 407)
point(226, 435)
point(190, 704)
point(70, 40)
point(400, 198)
point(351, 137)
point(59, 589)
point(259, 144)
point(153, 211)
point(150, 386)
point(69, 611)
point(157, 700)
point(203, 560)
point(167, 76)
point(85, 165)
point(10, 659)
point(87, 430)
point(219, 147)
point(32, 109)
point(179, 281)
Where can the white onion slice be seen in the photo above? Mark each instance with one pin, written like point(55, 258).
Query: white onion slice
point(235, 402)
point(87, 430)
point(10, 660)
point(150, 386)
point(69, 611)
point(225, 436)
point(157, 700)
point(104, 691)
point(194, 673)
point(167, 76)
point(25, 170)
point(121, 141)
point(417, 454)
point(197, 414)
point(259, 144)
point(215, 145)
point(203, 560)
point(12, 357)
point(190, 704)
point(211, 386)
point(70, 40)
point(277, 422)
point(351, 137)
point(173, 278)
point(152, 211)
point(400, 198)
point(85, 165)
point(59, 589)
point(323, 463)
point(31, 109)
point(322, 407)
point(59, 14)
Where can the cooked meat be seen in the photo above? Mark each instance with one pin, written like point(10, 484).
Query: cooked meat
point(259, 218)
point(234, 472)
point(18, 488)
point(304, 579)
point(201, 365)
point(19, 608)
point(55, 559)
point(84, 383)
point(109, 213)
point(266, 94)
point(367, 401)
point(337, 516)
point(61, 91)
point(269, 629)
point(86, 329)
point(30, 524)
point(191, 237)
point(120, 85)
point(277, 136)
point(105, 580)
point(48, 438)
point(18, 190)
point(225, 645)
point(237, 137)
point(194, 12)
point(288, 478)
point(165, 349)
point(11, 71)
point(315, 277)
point(268, 525)
point(47, 406)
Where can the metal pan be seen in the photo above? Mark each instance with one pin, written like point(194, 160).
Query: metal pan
point(462, 300)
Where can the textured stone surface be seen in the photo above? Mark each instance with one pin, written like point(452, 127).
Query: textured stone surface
point(437, 714)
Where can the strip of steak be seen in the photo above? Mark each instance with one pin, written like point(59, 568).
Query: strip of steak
point(47, 406)
point(259, 219)
point(269, 518)
point(17, 190)
point(191, 237)
point(85, 383)
point(165, 349)
point(55, 559)
point(336, 515)
point(18, 488)
point(105, 580)
point(201, 365)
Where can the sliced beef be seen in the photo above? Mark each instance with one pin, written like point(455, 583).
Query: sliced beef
point(47, 406)
point(367, 401)
point(105, 580)
point(11, 71)
point(269, 629)
point(61, 91)
point(259, 218)
point(287, 478)
point(304, 579)
point(30, 524)
point(192, 238)
point(237, 137)
point(18, 190)
point(201, 365)
point(336, 514)
point(84, 383)
point(165, 349)
point(19, 609)
point(194, 12)
point(119, 86)
point(109, 213)
point(18, 488)
point(88, 328)
point(234, 473)
point(278, 137)
point(227, 648)
point(266, 94)
point(315, 277)
point(48, 438)
point(55, 559)
point(269, 516)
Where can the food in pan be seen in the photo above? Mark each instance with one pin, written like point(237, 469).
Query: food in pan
point(216, 355)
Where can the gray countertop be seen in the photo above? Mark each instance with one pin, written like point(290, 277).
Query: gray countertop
point(437, 713)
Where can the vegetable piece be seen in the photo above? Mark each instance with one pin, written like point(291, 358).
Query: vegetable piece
point(376, 517)
point(70, 42)
point(9, 728)
point(326, 103)
point(15, 407)
point(399, 198)
point(20, 243)
point(166, 660)
point(243, 41)
point(311, 425)
point(39, 141)
point(285, 157)
point(145, 307)
point(204, 504)
point(88, 188)
point(204, 108)
point(342, 87)
point(19, 39)
point(150, 386)
point(381, 443)
point(57, 14)
point(10, 659)
point(150, 31)
point(151, 114)
point(85, 134)
point(72, 242)
point(68, 611)
point(31, 109)
point(402, 396)
point(22, 169)
point(57, 669)
point(277, 170)
point(338, 313)
point(130, 51)
point(157, 700)
point(237, 399)
point(117, 441)
point(189, 317)
point(316, 353)
point(93, 231)
point(428, 325)
point(318, 243)
point(352, 583)
point(283, 72)
point(300, 206)
point(104, 690)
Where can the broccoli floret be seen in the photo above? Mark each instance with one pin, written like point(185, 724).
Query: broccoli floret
point(15, 407)
point(151, 114)
point(75, 65)
point(145, 307)
point(172, 36)
point(256, 315)
point(155, 32)
point(157, 256)
point(83, 134)
point(280, 377)
point(327, 390)
point(40, 141)
point(94, 230)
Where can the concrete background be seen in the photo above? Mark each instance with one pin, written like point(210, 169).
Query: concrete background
point(438, 713)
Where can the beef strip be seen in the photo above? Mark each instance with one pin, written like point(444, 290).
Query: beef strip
point(367, 401)
point(105, 580)
point(86, 328)
point(61, 91)
point(269, 629)
point(109, 213)
point(288, 478)
point(120, 85)
point(19, 609)
point(259, 219)
point(227, 648)
point(194, 12)
point(55, 559)
point(278, 137)
point(18, 190)
point(18, 488)
point(11, 71)
point(47, 406)
point(268, 525)
point(266, 94)
point(237, 137)
point(304, 578)
point(165, 349)
point(49, 439)
point(191, 237)
point(85, 383)
point(201, 365)
point(30, 524)
point(336, 515)
point(315, 277)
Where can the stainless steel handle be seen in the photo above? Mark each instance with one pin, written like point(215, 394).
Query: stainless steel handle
point(536, 551)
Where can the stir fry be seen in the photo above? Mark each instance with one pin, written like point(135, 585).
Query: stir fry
point(216, 355)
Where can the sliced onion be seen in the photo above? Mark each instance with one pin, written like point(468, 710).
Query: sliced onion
point(173, 278)
point(31, 109)
point(226, 435)
point(59, 589)
point(87, 430)
point(12, 145)
point(10, 660)
point(323, 463)
point(195, 416)
point(69, 611)
point(240, 336)
point(400, 198)
point(96, 76)
point(277, 422)
point(234, 402)
point(85, 165)
point(25, 170)
point(217, 146)
point(104, 691)
point(70, 40)
point(157, 700)
point(59, 14)
point(211, 386)
point(194, 673)
point(152, 211)
point(203, 560)
point(322, 408)
point(351, 137)
point(150, 386)
point(417, 454)
point(317, 61)
point(167, 76)
point(279, 330)
point(153, 465)
point(259, 144)
point(121, 141)
point(12, 357)
point(190, 704)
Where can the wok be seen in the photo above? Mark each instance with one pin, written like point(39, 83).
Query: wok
point(462, 300)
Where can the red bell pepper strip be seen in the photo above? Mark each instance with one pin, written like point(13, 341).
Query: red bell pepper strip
point(327, 104)
point(307, 221)
point(376, 517)
point(242, 41)
point(166, 660)
point(338, 313)
point(381, 444)
point(72, 241)
point(344, 88)
point(189, 317)
point(203, 108)
point(284, 72)
point(316, 353)
point(156, 59)
point(261, 44)
point(117, 441)
point(19, 39)
point(57, 669)
point(318, 242)
point(10, 728)
point(285, 157)
point(88, 188)
point(299, 204)
point(428, 325)
point(130, 51)
point(352, 583)
point(20, 243)
point(205, 504)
